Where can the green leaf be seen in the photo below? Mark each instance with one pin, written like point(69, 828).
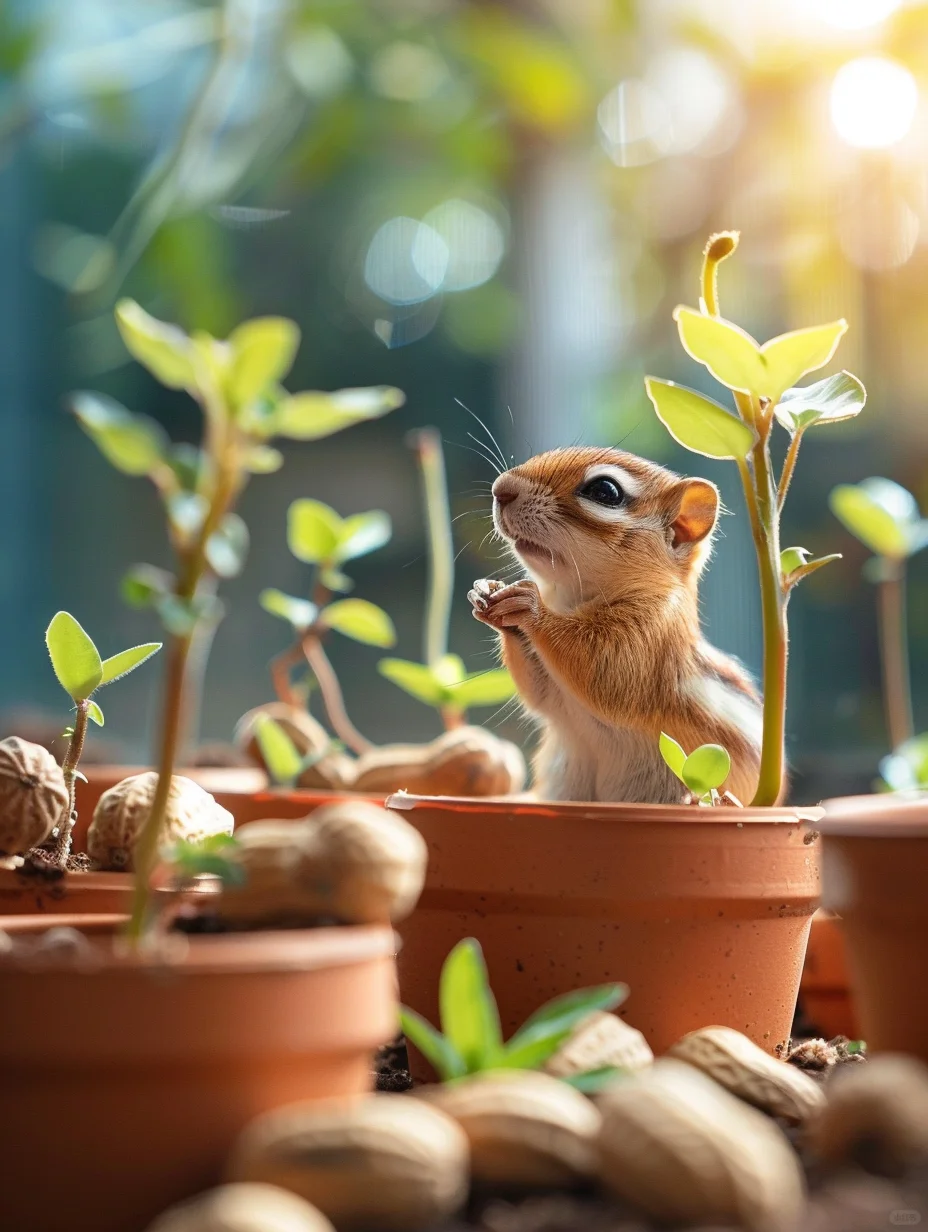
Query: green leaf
point(263, 351)
point(95, 713)
point(706, 769)
point(119, 665)
point(278, 751)
point(360, 620)
point(75, 659)
point(227, 548)
point(143, 585)
point(881, 514)
point(134, 444)
point(212, 856)
point(263, 460)
point(469, 1017)
point(832, 400)
point(181, 616)
point(672, 754)
point(595, 1080)
point(734, 358)
point(186, 461)
point(186, 513)
point(334, 579)
point(543, 1032)
point(439, 1053)
point(416, 679)
point(163, 349)
point(363, 533)
point(450, 670)
point(698, 423)
point(792, 559)
point(798, 563)
point(299, 612)
point(311, 416)
point(488, 688)
point(313, 531)
point(906, 769)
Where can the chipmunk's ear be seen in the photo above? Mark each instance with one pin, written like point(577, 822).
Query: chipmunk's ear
point(697, 508)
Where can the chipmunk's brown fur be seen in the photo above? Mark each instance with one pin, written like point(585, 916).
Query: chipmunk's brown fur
point(603, 638)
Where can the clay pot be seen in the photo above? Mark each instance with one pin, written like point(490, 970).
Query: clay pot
point(74, 893)
point(825, 988)
point(704, 913)
point(127, 1080)
point(875, 874)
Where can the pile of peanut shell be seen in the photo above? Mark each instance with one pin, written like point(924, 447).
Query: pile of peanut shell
point(699, 1139)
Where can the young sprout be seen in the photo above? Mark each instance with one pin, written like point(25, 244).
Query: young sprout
point(318, 536)
point(244, 406)
point(886, 519)
point(471, 1041)
point(762, 379)
point(212, 856)
point(81, 672)
point(442, 680)
point(282, 758)
point(702, 772)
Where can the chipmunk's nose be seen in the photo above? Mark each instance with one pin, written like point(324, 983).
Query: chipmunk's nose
point(505, 490)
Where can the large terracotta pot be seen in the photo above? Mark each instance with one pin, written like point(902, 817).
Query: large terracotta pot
point(825, 988)
point(875, 877)
point(126, 1080)
point(73, 893)
point(704, 913)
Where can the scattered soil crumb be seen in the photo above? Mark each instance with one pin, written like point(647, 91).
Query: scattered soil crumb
point(391, 1068)
point(40, 862)
point(818, 1056)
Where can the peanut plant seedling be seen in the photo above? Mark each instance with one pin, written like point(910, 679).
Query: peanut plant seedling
point(762, 379)
point(237, 384)
point(886, 519)
point(81, 672)
point(702, 772)
point(470, 1040)
point(281, 757)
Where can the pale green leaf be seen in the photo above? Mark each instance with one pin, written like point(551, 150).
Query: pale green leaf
point(313, 531)
point(488, 688)
point(311, 416)
point(163, 349)
point(119, 665)
point(94, 713)
point(673, 754)
point(798, 563)
point(75, 659)
point(706, 769)
point(792, 559)
point(878, 512)
point(416, 679)
point(790, 356)
point(698, 423)
point(832, 400)
point(363, 533)
point(440, 1054)
point(360, 620)
point(263, 351)
point(469, 1017)
point(186, 512)
point(333, 579)
point(134, 444)
point(263, 460)
point(278, 751)
point(227, 548)
point(299, 612)
point(450, 670)
point(143, 585)
point(593, 1081)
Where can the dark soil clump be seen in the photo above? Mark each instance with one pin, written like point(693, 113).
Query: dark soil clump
point(391, 1068)
point(41, 863)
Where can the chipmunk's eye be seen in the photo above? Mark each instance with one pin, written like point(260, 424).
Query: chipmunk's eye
point(604, 491)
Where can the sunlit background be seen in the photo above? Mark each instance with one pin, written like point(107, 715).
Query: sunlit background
point(490, 204)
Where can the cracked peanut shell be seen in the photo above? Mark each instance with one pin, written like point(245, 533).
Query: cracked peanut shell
point(33, 795)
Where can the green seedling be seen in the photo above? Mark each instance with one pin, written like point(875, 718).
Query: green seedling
point(237, 384)
point(212, 856)
point(441, 680)
point(81, 672)
point(702, 772)
point(886, 519)
point(318, 536)
point(282, 758)
point(762, 379)
point(470, 1040)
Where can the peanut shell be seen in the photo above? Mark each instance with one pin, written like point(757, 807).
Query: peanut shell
point(466, 761)
point(243, 1208)
point(33, 795)
point(600, 1041)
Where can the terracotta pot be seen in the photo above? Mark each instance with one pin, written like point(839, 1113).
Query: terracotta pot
point(704, 913)
point(74, 893)
point(279, 804)
point(126, 1081)
point(825, 988)
point(875, 874)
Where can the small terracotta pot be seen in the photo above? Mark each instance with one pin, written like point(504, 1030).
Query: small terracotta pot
point(127, 1080)
point(704, 913)
point(875, 874)
point(73, 893)
point(825, 988)
point(280, 804)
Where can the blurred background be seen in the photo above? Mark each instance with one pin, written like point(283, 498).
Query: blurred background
point(494, 204)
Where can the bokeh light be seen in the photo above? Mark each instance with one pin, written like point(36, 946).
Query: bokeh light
point(406, 261)
point(873, 102)
point(854, 14)
point(474, 239)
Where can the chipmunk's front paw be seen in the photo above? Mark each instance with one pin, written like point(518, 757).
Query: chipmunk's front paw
point(506, 607)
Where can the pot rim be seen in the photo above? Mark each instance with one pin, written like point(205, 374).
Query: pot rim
point(876, 816)
point(89, 879)
point(279, 950)
point(596, 811)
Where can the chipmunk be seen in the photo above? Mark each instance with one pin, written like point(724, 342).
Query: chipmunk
point(603, 638)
